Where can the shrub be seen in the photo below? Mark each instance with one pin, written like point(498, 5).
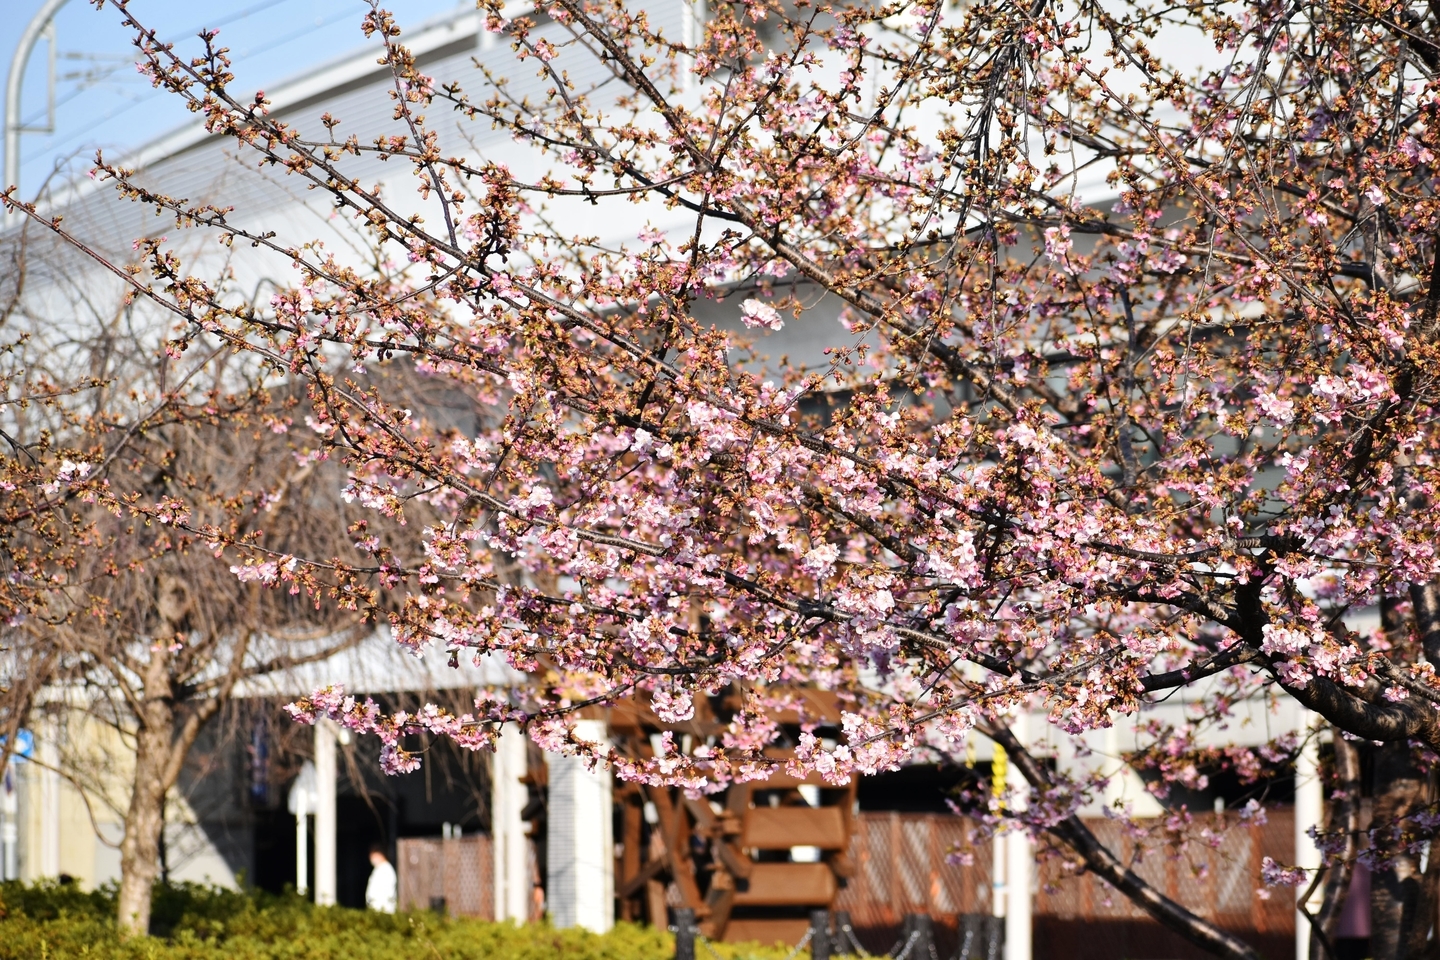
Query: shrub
point(56, 921)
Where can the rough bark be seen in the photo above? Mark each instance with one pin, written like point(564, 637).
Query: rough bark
point(144, 820)
point(170, 710)
point(163, 741)
point(1397, 788)
point(1344, 820)
point(166, 729)
point(1422, 943)
point(1103, 863)
point(1429, 948)
point(1366, 713)
point(1425, 599)
point(1395, 883)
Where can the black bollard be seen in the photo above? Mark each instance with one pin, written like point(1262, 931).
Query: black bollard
point(845, 940)
point(820, 947)
point(919, 927)
point(684, 933)
point(965, 929)
point(995, 942)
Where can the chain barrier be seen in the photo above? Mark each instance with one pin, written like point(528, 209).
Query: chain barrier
point(801, 945)
point(980, 941)
point(904, 953)
point(967, 937)
point(709, 948)
point(795, 952)
point(848, 932)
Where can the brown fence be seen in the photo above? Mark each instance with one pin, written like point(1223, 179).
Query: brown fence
point(1216, 876)
point(931, 863)
point(903, 865)
point(451, 875)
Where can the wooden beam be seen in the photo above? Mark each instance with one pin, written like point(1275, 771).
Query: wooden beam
point(721, 899)
point(716, 828)
point(655, 905)
point(644, 875)
point(780, 828)
point(675, 830)
point(789, 885)
point(631, 834)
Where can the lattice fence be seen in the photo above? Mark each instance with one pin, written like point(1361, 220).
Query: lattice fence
point(453, 875)
point(1081, 917)
point(903, 864)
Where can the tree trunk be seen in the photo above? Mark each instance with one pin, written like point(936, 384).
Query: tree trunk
point(1395, 885)
point(1425, 598)
point(160, 749)
point(145, 820)
point(1344, 818)
point(1422, 945)
point(167, 728)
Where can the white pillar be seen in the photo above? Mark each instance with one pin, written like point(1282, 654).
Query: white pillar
point(1019, 863)
point(1114, 792)
point(509, 845)
point(325, 821)
point(300, 802)
point(579, 844)
point(1309, 811)
point(302, 845)
point(10, 824)
point(999, 852)
point(49, 772)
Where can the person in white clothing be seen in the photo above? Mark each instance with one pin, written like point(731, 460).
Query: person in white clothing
point(383, 886)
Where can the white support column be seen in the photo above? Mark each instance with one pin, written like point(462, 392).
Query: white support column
point(10, 823)
point(49, 777)
point(300, 803)
point(509, 845)
point(999, 849)
point(999, 854)
point(302, 847)
point(1019, 863)
point(579, 844)
point(1309, 812)
point(325, 820)
point(1114, 768)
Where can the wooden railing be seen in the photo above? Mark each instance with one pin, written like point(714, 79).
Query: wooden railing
point(932, 863)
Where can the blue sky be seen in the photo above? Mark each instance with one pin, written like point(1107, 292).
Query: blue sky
point(101, 101)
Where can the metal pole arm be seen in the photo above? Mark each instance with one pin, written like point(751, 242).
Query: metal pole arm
point(23, 49)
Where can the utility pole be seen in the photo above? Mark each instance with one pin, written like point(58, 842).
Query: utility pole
point(40, 25)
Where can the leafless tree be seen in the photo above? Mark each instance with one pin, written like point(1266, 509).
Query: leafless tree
point(133, 618)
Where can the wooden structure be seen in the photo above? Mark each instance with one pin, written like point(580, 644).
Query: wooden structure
point(907, 863)
point(751, 861)
point(450, 876)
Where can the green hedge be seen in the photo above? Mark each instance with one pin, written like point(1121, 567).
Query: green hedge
point(51, 921)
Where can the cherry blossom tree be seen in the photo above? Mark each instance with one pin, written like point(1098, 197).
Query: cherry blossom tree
point(152, 638)
point(46, 469)
point(1133, 387)
point(126, 634)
